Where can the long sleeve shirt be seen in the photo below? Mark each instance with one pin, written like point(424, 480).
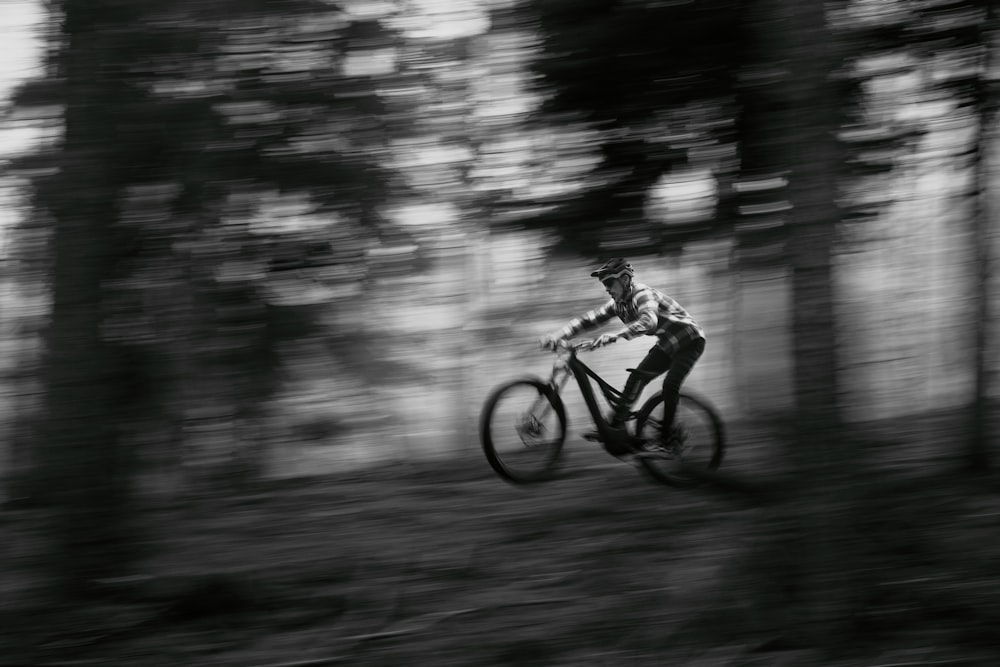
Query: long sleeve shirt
point(645, 312)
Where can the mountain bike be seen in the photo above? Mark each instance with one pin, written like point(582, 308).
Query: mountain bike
point(522, 426)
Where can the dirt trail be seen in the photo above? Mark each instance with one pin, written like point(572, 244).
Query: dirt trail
point(447, 565)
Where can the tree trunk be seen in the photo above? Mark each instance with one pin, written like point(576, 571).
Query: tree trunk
point(984, 246)
point(85, 467)
point(789, 152)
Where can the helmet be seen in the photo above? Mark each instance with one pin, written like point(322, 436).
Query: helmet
point(614, 268)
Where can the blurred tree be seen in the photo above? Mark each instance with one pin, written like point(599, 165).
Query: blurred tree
point(790, 163)
point(950, 44)
point(985, 96)
point(177, 120)
point(625, 67)
point(962, 36)
point(89, 382)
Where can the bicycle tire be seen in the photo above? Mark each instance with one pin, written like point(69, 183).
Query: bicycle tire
point(702, 447)
point(526, 457)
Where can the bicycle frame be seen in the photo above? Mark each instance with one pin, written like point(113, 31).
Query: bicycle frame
point(570, 365)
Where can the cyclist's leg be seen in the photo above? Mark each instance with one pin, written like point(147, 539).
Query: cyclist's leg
point(656, 362)
point(680, 367)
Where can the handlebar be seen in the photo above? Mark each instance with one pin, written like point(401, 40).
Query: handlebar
point(571, 345)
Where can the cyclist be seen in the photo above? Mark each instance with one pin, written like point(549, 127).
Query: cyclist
point(644, 311)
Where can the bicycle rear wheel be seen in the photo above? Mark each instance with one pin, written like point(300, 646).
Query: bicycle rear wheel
point(522, 429)
point(697, 445)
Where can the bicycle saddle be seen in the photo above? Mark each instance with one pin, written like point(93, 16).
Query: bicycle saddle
point(636, 370)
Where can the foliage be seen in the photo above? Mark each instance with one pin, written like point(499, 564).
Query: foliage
point(177, 123)
point(657, 79)
point(209, 115)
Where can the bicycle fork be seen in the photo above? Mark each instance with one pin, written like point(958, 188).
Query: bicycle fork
point(542, 406)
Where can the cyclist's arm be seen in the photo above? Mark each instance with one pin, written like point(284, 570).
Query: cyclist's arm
point(590, 320)
point(648, 316)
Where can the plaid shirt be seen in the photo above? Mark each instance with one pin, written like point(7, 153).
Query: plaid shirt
point(645, 311)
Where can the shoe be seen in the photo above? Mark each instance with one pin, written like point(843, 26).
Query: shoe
point(671, 449)
point(654, 450)
point(677, 439)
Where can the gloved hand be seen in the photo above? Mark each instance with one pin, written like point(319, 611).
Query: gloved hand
point(602, 340)
point(549, 342)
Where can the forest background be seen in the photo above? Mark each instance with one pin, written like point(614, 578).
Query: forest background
point(253, 241)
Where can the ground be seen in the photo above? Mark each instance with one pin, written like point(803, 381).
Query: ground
point(441, 563)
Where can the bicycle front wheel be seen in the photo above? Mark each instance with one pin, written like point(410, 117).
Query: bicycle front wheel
point(696, 443)
point(522, 429)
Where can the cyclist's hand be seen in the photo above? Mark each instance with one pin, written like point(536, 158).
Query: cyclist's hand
point(602, 340)
point(549, 342)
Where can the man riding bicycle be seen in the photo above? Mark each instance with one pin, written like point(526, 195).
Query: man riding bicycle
point(644, 311)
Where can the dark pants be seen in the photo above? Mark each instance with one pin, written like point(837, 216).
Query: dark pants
point(656, 362)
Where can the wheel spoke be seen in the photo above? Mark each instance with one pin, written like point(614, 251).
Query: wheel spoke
point(694, 443)
point(522, 431)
